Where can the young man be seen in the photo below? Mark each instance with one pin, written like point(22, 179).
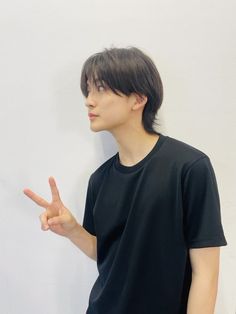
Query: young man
point(152, 218)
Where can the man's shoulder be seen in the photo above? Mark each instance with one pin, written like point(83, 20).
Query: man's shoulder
point(180, 151)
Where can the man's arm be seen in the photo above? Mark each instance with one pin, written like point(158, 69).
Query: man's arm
point(204, 286)
point(85, 241)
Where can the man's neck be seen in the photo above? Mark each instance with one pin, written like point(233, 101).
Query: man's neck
point(133, 149)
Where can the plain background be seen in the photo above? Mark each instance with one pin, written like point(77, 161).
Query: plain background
point(44, 128)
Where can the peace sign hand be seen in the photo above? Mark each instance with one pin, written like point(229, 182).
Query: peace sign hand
point(56, 216)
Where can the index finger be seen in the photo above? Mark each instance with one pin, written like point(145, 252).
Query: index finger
point(36, 198)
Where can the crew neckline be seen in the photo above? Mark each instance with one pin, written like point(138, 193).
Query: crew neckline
point(128, 169)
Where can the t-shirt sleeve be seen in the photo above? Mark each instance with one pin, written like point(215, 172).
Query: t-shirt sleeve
point(88, 221)
point(201, 206)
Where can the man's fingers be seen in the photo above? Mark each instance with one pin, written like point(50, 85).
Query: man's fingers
point(36, 198)
point(54, 189)
point(56, 220)
point(44, 221)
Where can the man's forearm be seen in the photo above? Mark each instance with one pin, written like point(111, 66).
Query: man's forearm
point(202, 294)
point(85, 241)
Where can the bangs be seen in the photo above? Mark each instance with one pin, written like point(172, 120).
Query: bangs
point(97, 72)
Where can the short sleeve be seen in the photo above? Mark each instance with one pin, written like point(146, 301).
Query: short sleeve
point(88, 221)
point(201, 206)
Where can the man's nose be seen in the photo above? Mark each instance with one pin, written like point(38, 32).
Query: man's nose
point(89, 101)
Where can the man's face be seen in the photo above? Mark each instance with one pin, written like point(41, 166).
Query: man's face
point(113, 111)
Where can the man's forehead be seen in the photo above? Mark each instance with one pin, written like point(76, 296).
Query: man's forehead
point(96, 80)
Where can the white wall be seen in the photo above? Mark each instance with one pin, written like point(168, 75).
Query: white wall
point(44, 129)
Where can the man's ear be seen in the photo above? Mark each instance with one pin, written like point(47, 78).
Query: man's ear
point(140, 101)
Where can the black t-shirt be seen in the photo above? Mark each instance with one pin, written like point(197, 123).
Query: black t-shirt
point(146, 217)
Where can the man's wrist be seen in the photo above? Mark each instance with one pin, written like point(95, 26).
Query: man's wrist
point(74, 233)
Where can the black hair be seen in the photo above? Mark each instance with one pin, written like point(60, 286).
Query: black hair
point(126, 70)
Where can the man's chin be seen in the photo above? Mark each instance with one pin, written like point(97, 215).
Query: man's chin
point(94, 129)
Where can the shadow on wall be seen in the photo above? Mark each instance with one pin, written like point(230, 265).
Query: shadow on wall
point(106, 145)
